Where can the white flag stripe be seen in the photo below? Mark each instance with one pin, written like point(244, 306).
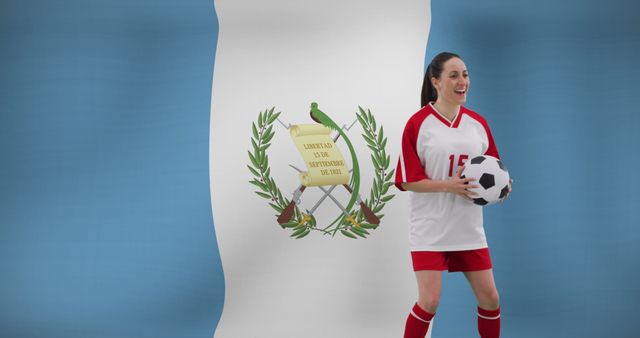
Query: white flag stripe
point(288, 54)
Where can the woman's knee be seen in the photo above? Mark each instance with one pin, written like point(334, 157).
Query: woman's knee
point(489, 300)
point(429, 302)
point(429, 287)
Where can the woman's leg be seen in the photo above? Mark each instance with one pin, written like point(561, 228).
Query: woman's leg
point(429, 289)
point(484, 287)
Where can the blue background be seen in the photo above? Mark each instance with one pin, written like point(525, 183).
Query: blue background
point(105, 212)
point(105, 220)
point(558, 84)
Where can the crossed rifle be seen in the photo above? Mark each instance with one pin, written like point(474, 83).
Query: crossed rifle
point(288, 212)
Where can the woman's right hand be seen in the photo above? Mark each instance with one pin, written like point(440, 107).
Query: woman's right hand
point(459, 186)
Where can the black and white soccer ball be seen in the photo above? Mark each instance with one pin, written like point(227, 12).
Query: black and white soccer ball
point(492, 177)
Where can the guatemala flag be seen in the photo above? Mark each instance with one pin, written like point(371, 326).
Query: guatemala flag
point(126, 202)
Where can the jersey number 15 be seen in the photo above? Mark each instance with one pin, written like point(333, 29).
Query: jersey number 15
point(461, 160)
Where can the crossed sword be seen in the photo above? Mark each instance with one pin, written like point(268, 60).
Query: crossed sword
point(287, 213)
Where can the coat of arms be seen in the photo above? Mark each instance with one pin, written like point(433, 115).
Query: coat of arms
point(326, 170)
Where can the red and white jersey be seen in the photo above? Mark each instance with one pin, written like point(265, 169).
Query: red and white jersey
point(434, 148)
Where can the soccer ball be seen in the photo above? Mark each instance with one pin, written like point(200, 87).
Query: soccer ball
point(492, 177)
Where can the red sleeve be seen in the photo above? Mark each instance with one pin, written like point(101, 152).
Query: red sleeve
point(492, 150)
point(409, 168)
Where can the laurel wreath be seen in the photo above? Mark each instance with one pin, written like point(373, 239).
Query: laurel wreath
point(302, 223)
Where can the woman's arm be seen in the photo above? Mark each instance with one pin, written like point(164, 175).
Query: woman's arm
point(454, 185)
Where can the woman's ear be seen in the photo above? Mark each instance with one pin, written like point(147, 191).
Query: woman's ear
point(435, 83)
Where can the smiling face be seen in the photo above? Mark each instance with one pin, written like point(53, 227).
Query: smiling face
point(453, 84)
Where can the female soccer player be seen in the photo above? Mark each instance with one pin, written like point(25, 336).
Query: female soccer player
point(445, 227)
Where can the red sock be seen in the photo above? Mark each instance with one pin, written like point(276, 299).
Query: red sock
point(489, 323)
point(417, 323)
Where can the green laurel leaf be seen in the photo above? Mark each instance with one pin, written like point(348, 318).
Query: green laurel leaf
point(289, 224)
point(253, 159)
point(379, 160)
point(376, 189)
point(385, 188)
point(280, 199)
point(253, 171)
point(372, 121)
point(263, 194)
point(390, 175)
point(361, 120)
point(268, 137)
point(358, 232)
point(306, 232)
point(348, 234)
point(361, 230)
point(276, 207)
point(298, 232)
point(364, 114)
point(387, 198)
point(259, 184)
point(370, 141)
point(273, 117)
point(254, 130)
point(298, 226)
point(375, 162)
point(272, 184)
point(267, 132)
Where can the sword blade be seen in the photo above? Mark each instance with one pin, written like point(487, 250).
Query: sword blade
point(326, 193)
